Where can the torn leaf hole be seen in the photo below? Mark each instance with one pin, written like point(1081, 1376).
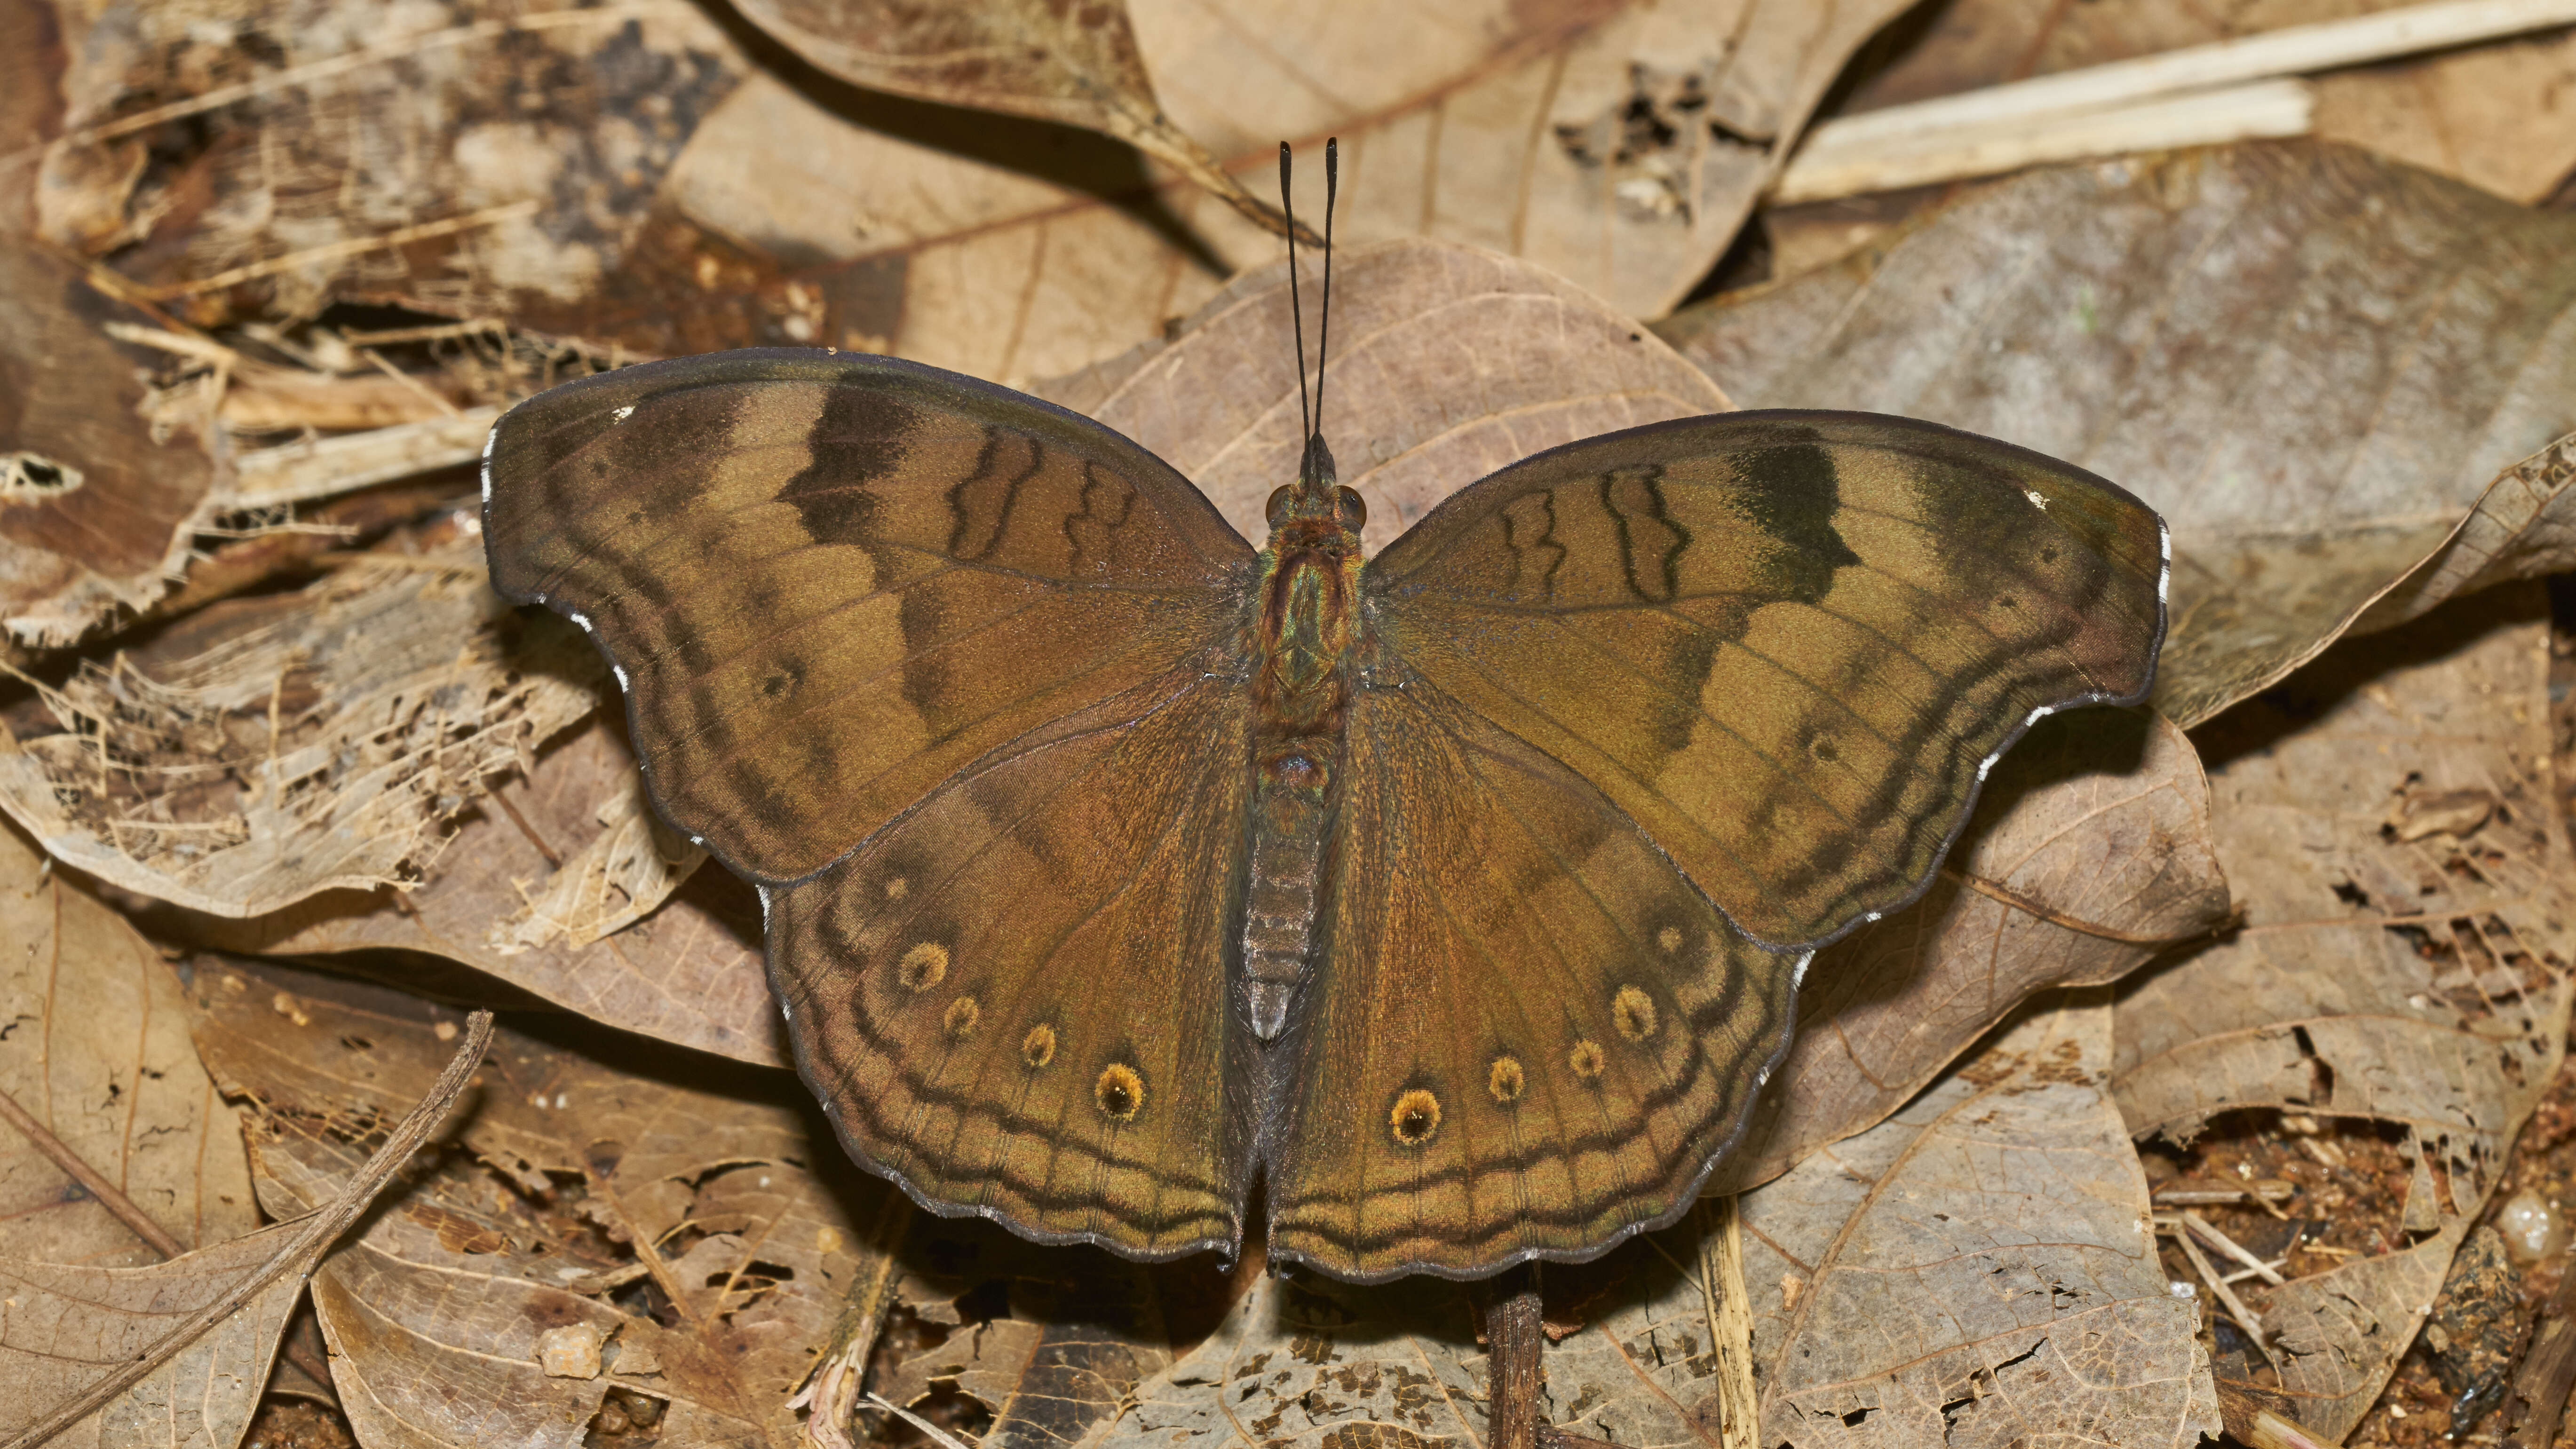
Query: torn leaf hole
point(34, 478)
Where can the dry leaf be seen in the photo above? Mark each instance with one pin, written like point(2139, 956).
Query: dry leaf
point(2422, 983)
point(627, 870)
point(1076, 1332)
point(94, 1045)
point(1051, 61)
point(271, 748)
point(66, 1327)
point(95, 514)
point(1313, 1364)
point(2090, 850)
point(707, 1233)
point(689, 972)
point(1448, 363)
point(1620, 146)
point(455, 152)
point(2339, 1332)
point(1978, 1269)
point(2314, 362)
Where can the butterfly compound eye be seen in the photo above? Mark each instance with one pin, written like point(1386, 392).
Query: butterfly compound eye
point(1354, 511)
point(1276, 510)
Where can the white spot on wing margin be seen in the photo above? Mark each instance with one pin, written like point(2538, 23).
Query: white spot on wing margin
point(489, 439)
point(2164, 547)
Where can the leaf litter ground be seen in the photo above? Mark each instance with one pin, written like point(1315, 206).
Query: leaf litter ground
point(367, 768)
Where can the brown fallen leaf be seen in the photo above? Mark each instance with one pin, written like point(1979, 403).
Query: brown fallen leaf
point(267, 749)
point(2090, 853)
point(706, 1233)
point(175, 1354)
point(1978, 1268)
point(70, 1325)
point(2314, 362)
point(1448, 363)
point(94, 1046)
point(466, 154)
point(2420, 983)
point(95, 513)
point(1053, 62)
point(1620, 145)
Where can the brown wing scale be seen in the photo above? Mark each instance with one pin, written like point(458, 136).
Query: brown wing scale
point(1533, 1036)
point(1012, 1001)
point(1787, 645)
point(831, 581)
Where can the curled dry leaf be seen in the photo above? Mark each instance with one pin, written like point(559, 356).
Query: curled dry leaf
point(2089, 853)
point(458, 153)
point(2314, 362)
point(95, 513)
point(1979, 1268)
point(1620, 145)
point(700, 1238)
point(268, 749)
point(2421, 983)
point(94, 1045)
point(1055, 62)
point(68, 1326)
point(689, 971)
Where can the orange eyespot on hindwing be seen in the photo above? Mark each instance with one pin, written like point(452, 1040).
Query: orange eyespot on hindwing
point(1120, 1092)
point(1633, 1012)
point(1038, 1047)
point(1506, 1080)
point(963, 1013)
point(923, 966)
point(1415, 1116)
point(1586, 1059)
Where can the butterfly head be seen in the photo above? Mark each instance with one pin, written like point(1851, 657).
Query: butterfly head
point(1316, 505)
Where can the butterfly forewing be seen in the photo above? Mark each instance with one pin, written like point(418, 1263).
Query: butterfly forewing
point(1787, 645)
point(1533, 1036)
point(831, 581)
point(1013, 999)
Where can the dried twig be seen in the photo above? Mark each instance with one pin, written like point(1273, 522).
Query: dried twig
point(123, 1208)
point(2225, 1244)
point(1730, 1322)
point(320, 1229)
point(1514, 1338)
point(354, 246)
point(2245, 1317)
point(2230, 89)
point(2539, 1392)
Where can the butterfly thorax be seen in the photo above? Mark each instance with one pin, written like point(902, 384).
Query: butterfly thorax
point(1305, 639)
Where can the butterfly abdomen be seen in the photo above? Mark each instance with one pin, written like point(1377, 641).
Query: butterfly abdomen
point(1304, 639)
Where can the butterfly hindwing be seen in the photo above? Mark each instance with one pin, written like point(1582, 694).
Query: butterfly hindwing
point(1012, 1000)
point(830, 581)
point(1531, 1036)
point(1787, 645)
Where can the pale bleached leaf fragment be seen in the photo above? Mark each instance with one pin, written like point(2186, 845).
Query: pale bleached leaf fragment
point(621, 876)
point(689, 972)
point(272, 748)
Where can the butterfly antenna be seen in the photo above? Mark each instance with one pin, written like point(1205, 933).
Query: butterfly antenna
point(1296, 312)
point(1324, 329)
